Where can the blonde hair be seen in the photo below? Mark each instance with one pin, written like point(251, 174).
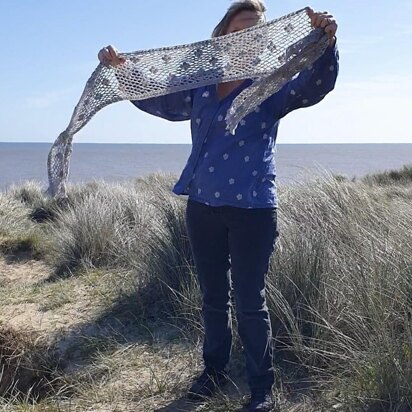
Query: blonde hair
point(243, 5)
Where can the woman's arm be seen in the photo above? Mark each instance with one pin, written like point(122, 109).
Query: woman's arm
point(312, 84)
point(174, 106)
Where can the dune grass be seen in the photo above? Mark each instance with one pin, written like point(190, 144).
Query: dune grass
point(27, 366)
point(389, 177)
point(16, 231)
point(339, 293)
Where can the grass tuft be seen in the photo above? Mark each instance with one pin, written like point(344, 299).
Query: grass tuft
point(26, 366)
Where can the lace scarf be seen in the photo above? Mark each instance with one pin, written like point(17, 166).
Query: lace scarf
point(269, 53)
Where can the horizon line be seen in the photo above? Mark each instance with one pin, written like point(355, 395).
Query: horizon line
point(189, 144)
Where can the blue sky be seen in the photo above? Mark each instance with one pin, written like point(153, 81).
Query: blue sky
point(49, 49)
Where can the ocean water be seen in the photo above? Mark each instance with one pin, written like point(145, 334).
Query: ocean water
point(118, 162)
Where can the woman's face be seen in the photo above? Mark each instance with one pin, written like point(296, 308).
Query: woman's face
point(243, 20)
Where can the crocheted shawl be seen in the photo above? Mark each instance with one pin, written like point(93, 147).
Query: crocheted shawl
point(269, 53)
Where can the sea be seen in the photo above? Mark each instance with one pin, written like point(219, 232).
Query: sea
point(20, 162)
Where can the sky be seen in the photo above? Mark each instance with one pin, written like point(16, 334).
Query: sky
point(49, 49)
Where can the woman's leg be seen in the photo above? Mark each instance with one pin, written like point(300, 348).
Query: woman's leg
point(252, 235)
point(208, 236)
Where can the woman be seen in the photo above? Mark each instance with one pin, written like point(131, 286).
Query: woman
point(231, 212)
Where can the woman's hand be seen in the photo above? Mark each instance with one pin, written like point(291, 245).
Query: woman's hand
point(110, 55)
point(324, 20)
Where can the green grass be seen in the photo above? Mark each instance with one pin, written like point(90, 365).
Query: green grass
point(17, 232)
point(389, 177)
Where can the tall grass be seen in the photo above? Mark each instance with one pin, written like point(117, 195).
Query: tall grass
point(389, 177)
point(17, 232)
point(341, 290)
point(339, 285)
point(136, 228)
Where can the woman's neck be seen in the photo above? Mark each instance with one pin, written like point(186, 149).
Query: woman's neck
point(224, 89)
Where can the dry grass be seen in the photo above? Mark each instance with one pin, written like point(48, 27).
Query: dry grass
point(120, 304)
point(25, 363)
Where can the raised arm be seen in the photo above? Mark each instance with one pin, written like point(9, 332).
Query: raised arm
point(311, 85)
point(174, 106)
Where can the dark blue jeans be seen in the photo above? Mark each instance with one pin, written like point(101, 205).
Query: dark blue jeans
point(231, 247)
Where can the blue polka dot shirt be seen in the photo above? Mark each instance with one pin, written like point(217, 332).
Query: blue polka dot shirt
point(238, 170)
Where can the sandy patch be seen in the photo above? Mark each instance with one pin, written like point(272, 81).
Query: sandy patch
point(51, 310)
point(22, 270)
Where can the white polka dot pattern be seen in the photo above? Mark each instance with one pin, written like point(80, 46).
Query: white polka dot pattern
point(282, 48)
